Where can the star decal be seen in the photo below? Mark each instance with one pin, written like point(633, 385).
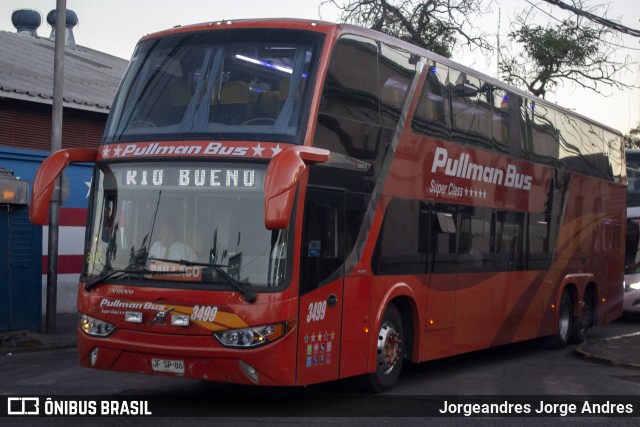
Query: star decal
point(105, 152)
point(319, 337)
point(257, 151)
point(116, 151)
point(306, 339)
point(478, 194)
point(276, 150)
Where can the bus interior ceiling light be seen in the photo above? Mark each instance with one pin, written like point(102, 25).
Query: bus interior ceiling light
point(265, 64)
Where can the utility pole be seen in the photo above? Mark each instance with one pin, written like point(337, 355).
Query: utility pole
point(56, 145)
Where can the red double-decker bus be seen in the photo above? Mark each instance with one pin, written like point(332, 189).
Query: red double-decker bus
point(287, 202)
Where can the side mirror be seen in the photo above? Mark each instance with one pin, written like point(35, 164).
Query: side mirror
point(280, 183)
point(45, 180)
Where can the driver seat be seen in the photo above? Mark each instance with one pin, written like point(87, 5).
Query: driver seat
point(234, 103)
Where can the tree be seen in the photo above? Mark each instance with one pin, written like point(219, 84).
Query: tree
point(632, 139)
point(575, 49)
point(436, 25)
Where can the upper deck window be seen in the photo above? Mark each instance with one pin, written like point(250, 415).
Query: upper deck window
point(236, 84)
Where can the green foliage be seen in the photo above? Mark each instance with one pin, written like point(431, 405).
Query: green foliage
point(436, 25)
point(555, 46)
point(572, 50)
point(632, 139)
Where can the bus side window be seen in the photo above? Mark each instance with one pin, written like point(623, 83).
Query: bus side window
point(432, 116)
point(569, 141)
point(614, 143)
point(470, 110)
point(539, 251)
point(397, 68)
point(542, 134)
point(475, 242)
point(510, 240)
point(322, 257)
point(351, 90)
point(500, 122)
point(401, 246)
point(442, 240)
point(349, 114)
point(592, 147)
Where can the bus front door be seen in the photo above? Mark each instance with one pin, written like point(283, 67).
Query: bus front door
point(321, 282)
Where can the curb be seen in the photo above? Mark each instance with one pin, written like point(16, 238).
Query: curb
point(42, 347)
point(599, 358)
point(26, 342)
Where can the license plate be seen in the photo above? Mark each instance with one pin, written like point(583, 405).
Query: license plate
point(171, 366)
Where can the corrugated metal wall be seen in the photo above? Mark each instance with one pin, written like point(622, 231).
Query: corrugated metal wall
point(25, 139)
point(27, 125)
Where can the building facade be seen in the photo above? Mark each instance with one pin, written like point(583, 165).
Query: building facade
point(91, 79)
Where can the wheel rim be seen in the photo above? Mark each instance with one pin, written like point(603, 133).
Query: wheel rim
point(564, 321)
point(389, 348)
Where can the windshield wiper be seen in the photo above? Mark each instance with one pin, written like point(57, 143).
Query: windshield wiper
point(249, 296)
point(98, 280)
point(123, 273)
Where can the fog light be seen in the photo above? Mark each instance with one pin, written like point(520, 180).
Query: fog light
point(250, 371)
point(180, 320)
point(93, 357)
point(133, 317)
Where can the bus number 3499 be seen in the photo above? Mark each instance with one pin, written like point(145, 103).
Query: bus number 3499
point(204, 313)
point(317, 311)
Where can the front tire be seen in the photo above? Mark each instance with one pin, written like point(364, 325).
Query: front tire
point(389, 353)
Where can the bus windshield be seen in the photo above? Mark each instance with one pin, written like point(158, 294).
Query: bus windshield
point(249, 84)
point(183, 222)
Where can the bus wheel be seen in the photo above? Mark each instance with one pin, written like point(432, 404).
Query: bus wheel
point(565, 320)
point(389, 354)
point(582, 323)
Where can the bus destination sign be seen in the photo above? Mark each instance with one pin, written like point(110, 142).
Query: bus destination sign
point(189, 177)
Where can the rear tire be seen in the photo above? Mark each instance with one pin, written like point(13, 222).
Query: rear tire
point(582, 323)
point(389, 353)
point(565, 321)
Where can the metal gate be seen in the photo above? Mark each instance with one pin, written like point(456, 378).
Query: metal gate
point(20, 270)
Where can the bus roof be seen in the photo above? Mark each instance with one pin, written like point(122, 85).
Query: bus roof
point(334, 30)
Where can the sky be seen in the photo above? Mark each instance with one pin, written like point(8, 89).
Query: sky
point(115, 26)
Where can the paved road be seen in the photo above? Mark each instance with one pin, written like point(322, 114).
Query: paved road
point(515, 370)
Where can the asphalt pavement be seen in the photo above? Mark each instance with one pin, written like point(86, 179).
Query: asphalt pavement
point(623, 351)
point(23, 341)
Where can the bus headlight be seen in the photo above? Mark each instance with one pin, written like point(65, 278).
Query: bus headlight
point(254, 337)
point(95, 327)
point(635, 285)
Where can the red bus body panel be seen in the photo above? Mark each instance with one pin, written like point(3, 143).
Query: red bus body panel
point(336, 325)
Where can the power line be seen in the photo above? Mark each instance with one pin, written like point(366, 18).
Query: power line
point(535, 6)
point(597, 19)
